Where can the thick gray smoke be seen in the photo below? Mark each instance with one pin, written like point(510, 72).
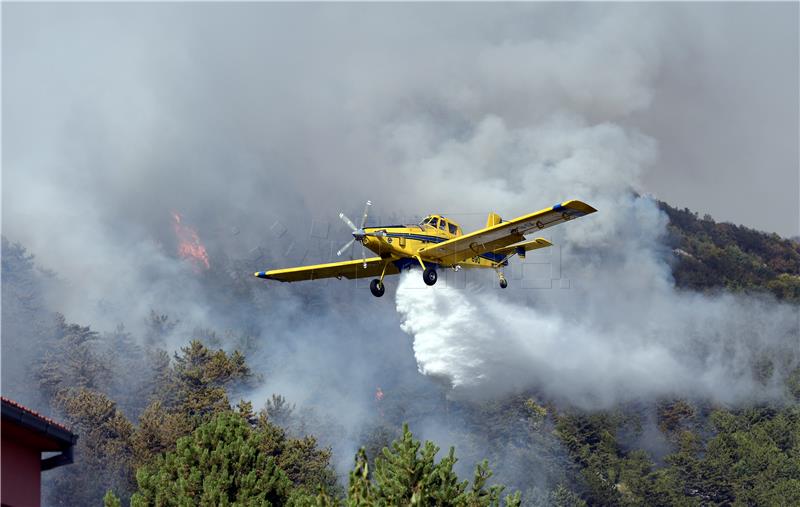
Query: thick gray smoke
point(243, 116)
point(610, 326)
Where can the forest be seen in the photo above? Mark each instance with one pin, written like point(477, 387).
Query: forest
point(164, 425)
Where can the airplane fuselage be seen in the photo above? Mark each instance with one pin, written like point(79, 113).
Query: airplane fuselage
point(405, 241)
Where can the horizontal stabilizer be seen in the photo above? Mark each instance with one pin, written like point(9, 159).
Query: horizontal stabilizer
point(523, 246)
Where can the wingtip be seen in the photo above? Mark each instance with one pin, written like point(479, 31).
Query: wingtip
point(579, 206)
point(582, 206)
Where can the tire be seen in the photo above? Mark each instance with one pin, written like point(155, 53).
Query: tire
point(503, 283)
point(429, 276)
point(377, 288)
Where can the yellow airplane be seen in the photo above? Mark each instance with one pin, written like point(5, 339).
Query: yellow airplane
point(436, 242)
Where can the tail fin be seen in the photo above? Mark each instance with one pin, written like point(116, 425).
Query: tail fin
point(493, 219)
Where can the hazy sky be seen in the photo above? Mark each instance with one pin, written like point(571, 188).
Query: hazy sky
point(725, 114)
point(109, 97)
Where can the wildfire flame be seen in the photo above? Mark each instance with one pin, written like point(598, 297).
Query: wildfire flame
point(189, 246)
point(379, 399)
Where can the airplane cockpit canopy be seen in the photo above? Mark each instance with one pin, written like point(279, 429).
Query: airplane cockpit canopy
point(441, 223)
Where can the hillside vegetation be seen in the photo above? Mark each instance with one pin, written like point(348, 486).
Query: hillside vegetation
point(713, 255)
point(166, 429)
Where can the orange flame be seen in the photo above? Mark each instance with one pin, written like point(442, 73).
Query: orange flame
point(379, 399)
point(189, 245)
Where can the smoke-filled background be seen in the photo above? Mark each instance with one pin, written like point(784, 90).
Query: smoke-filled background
point(136, 134)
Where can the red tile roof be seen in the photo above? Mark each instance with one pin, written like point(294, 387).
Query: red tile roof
point(34, 413)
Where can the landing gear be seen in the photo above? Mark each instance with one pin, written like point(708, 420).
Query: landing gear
point(377, 288)
point(503, 281)
point(429, 276)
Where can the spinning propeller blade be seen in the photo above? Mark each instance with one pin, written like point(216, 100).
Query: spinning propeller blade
point(344, 248)
point(348, 222)
point(363, 255)
point(366, 211)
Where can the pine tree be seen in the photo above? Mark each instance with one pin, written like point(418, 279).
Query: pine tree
point(73, 362)
point(221, 463)
point(201, 379)
point(185, 394)
point(561, 496)
point(278, 410)
point(111, 500)
point(103, 452)
point(157, 432)
point(134, 370)
point(159, 327)
point(27, 325)
point(408, 474)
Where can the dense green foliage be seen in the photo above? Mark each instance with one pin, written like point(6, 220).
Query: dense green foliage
point(713, 255)
point(407, 475)
point(223, 462)
point(231, 461)
point(751, 458)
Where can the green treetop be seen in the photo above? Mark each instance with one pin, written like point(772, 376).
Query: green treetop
point(221, 463)
point(408, 474)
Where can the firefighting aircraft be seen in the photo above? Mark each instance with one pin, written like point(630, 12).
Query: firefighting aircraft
point(435, 243)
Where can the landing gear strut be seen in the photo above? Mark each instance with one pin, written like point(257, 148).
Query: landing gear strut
point(377, 288)
point(429, 276)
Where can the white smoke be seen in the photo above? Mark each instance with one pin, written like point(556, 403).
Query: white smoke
point(618, 330)
point(485, 344)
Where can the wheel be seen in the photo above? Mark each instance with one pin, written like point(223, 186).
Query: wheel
point(503, 283)
point(429, 276)
point(377, 288)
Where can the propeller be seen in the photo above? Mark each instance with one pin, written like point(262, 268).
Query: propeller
point(358, 233)
point(364, 216)
point(345, 247)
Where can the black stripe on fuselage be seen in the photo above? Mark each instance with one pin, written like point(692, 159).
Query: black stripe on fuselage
point(419, 237)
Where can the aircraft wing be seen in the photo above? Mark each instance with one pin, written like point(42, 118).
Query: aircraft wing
point(346, 269)
point(485, 242)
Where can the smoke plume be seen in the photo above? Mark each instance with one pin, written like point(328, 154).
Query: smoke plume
point(607, 324)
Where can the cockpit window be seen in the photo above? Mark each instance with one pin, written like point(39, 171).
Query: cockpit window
point(443, 225)
point(453, 229)
point(434, 222)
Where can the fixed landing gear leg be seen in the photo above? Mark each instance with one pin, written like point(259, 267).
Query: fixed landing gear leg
point(383, 273)
point(376, 286)
point(429, 275)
